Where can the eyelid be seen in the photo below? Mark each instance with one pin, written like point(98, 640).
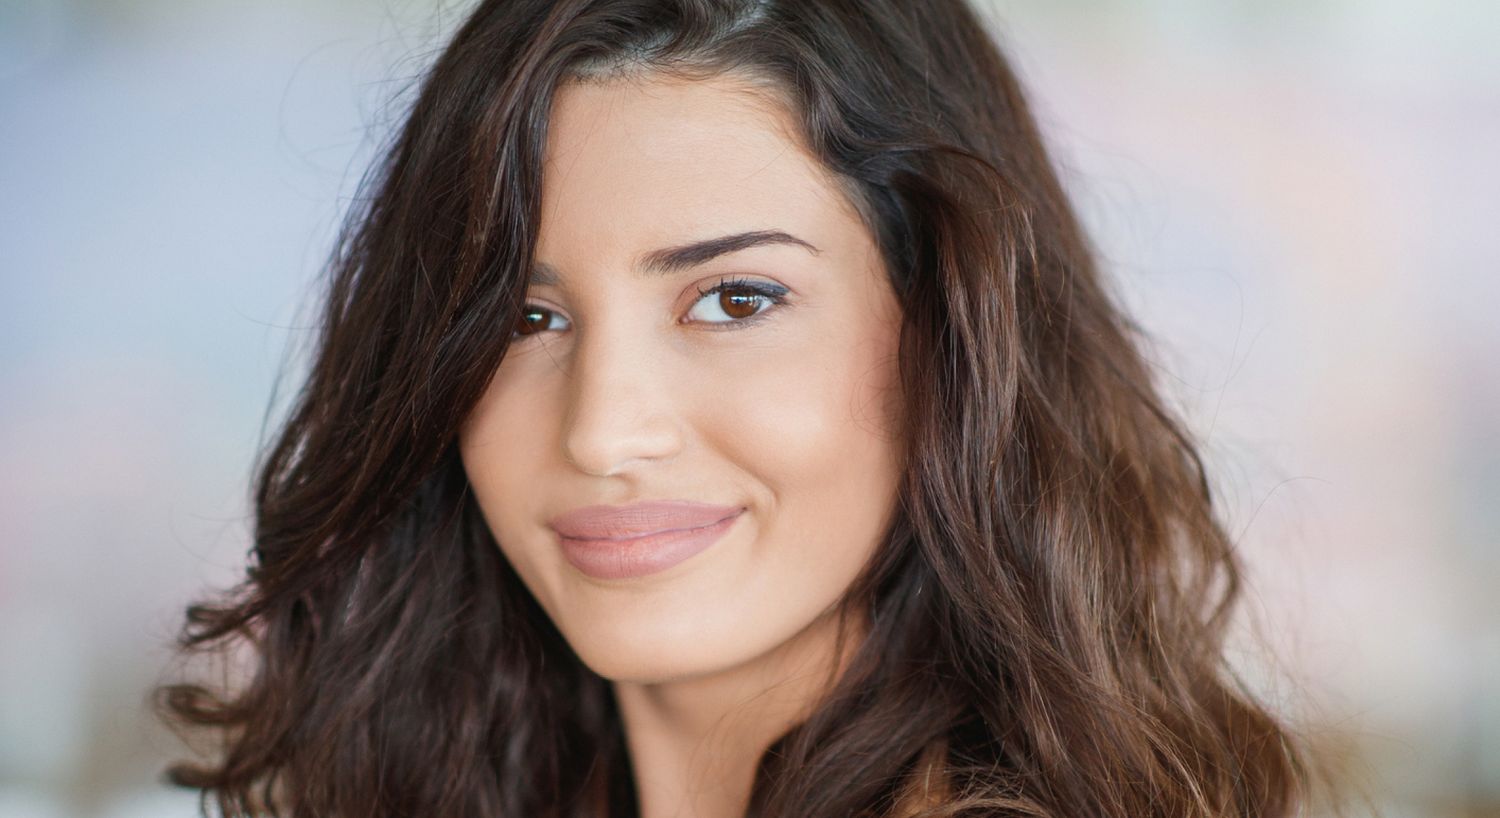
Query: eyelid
point(737, 281)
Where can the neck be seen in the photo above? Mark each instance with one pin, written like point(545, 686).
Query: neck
point(695, 742)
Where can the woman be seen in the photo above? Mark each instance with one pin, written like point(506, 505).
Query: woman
point(718, 412)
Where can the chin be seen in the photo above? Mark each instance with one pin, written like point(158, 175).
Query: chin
point(649, 664)
point(625, 649)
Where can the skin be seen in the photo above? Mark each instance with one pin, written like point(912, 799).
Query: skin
point(639, 388)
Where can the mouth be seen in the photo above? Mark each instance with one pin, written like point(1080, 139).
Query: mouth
point(642, 554)
point(639, 519)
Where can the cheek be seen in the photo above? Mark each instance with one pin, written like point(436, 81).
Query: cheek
point(815, 418)
point(501, 445)
point(814, 425)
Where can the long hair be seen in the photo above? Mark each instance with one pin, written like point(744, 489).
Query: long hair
point(1048, 607)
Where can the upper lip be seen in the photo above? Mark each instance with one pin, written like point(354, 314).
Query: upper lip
point(638, 519)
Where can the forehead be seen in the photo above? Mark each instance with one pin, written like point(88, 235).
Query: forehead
point(648, 162)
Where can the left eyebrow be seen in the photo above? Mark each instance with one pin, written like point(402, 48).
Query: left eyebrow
point(686, 256)
point(676, 259)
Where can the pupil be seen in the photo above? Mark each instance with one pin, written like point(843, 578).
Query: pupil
point(527, 326)
point(737, 306)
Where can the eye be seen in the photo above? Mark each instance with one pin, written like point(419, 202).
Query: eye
point(740, 301)
point(534, 319)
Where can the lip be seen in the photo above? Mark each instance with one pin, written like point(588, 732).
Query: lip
point(637, 519)
point(619, 542)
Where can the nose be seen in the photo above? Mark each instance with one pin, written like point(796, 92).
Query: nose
point(620, 409)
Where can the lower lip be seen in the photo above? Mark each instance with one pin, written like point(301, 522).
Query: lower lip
point(624, 559)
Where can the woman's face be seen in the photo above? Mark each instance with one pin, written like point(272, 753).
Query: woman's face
point(627, 384)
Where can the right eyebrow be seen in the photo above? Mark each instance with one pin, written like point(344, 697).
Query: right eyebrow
point(670, 260)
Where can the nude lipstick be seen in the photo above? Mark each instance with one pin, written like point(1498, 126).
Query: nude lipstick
point(621, 542)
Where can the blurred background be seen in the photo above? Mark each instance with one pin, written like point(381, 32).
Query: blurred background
point(1297, 199)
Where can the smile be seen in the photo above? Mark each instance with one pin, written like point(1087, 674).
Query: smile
point(627, 558)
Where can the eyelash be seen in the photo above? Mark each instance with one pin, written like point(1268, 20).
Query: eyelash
point(773, 294)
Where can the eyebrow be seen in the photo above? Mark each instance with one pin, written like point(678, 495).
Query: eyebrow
point(682, 257)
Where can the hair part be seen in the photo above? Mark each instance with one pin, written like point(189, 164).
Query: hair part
point(1046, 613)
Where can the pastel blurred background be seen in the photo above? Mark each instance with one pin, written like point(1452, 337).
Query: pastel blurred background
point(1300, 200)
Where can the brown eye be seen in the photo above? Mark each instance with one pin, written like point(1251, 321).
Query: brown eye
point(533, 320)
point(739, 303)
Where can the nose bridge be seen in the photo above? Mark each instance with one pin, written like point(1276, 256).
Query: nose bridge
point(620, 402)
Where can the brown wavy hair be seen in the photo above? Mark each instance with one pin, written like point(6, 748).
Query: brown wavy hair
point(1046, 614)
